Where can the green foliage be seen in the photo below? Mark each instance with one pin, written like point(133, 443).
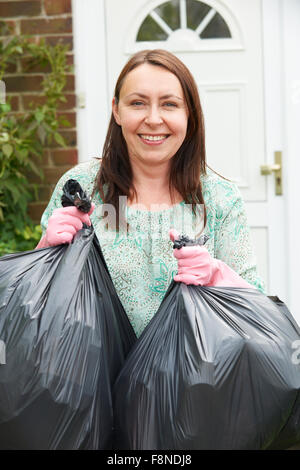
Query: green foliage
point(23, 137)
point(22, 236)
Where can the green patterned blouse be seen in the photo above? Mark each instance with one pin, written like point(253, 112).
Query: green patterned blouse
point(141, 261)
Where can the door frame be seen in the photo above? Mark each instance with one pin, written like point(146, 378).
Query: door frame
point(90, 63)
point(273, 109)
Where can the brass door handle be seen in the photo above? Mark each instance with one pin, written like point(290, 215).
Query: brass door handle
point(268, 169)
point(276, 168)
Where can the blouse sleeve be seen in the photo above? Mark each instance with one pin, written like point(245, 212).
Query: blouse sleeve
point(233, 241)
point(54, 203)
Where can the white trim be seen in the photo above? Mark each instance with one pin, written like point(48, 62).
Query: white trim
point(282, 109)
point(166, 28)
point(243, 180)
point(277, 262)
point(209, 45)
point(229, 44)
point(207, 19)
point(91, 76)
point(183, 18)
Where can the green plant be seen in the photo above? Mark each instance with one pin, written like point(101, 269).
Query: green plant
point(23, 138)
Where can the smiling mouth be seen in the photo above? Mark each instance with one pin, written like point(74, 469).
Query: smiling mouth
point(154, 138)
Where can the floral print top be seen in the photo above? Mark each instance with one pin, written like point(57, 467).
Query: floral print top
point(141, 261)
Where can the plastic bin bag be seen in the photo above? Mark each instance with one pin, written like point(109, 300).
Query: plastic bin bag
point(214, 369)
point(64, 337)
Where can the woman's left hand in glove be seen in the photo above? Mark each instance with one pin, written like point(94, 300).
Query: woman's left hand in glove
point(196, 266)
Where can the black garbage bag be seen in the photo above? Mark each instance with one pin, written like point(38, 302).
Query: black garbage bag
point(214, 369)
point(64, 337)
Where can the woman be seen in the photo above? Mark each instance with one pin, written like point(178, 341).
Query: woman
point(154, 156)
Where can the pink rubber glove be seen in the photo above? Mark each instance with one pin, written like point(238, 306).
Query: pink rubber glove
point(63, 224)
point(197, 267)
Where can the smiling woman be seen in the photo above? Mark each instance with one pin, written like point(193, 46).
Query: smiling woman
point(154, 156)
point(155, 96)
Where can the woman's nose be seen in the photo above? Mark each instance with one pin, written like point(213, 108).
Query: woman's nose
point(153, 116)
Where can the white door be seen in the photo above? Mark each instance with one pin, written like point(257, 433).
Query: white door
point(233, 51)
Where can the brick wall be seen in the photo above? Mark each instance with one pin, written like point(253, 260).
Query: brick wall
point(52, 20)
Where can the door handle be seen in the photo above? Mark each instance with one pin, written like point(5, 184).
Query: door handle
point(276, 168)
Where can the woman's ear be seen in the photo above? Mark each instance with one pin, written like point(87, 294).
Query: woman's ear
point(115, 111)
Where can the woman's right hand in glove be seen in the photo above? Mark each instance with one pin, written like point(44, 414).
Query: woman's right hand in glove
point(63, 224)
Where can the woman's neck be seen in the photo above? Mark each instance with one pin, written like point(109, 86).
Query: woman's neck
point(152, 185)
point(148, 175)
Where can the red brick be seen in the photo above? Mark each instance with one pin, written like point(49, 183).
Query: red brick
point(51, 175)
point(34, 39)
point(64, 40)
point(70, 85)
point(11, 68)
point(70, 102)
point(71, 117)
point(42, 26)
point(57, 7)
point(64, 157)
point(70, 59)
point(44, 193)
point(8, 28)
point(27, 67)
point(30, 101)
point(14, 101)
point(37, 100)
point(24, 8)
point(70, 139)
point(42, 161)
point(17, 115)
point(36, 209)
point(23, 83)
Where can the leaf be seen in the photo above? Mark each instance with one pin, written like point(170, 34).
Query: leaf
point(23, 153)
point(42, 134)
point(33, 125)
point(19, 49)
point(16, 194)
point(4, 137)
point(64, 122)
point(39, 116)
point(5, 108)
point(59, 139)
point(7, 149)
point(35, 169)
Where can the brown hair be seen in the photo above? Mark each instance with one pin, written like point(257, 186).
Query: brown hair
point(187, 164)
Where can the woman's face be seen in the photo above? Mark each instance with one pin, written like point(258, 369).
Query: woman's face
point(152, 113)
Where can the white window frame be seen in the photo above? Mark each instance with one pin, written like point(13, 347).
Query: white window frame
point(227, 44)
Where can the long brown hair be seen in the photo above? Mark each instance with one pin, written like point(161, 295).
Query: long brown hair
point(187, 164)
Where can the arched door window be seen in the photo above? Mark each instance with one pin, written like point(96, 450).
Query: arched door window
point(194, 15)
point(183, 25)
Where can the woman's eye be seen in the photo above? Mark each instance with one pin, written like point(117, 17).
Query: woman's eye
point(137, 103)
point(170, 105)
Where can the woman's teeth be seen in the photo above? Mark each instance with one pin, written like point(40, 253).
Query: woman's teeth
point(153, 137)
